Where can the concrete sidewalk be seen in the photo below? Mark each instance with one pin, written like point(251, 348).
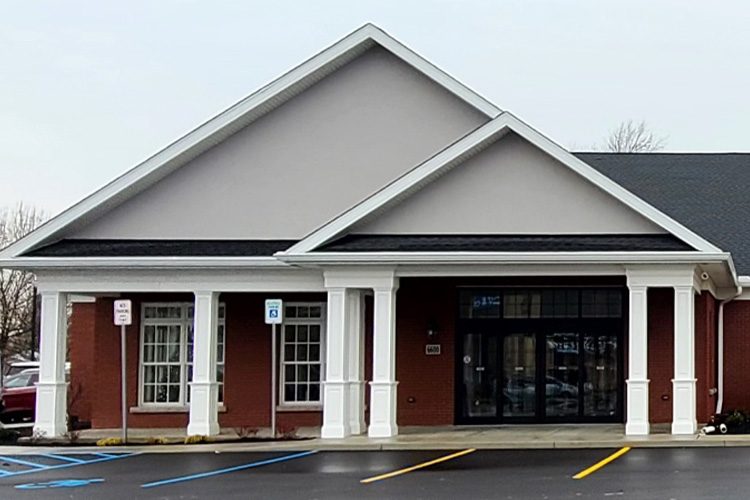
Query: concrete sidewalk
point(414, 438)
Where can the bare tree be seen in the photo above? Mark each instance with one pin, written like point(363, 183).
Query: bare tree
point(631, 137)
point(17, 298)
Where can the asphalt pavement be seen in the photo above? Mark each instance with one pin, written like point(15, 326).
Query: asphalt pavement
point(668, 473)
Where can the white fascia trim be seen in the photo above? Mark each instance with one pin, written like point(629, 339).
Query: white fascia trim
point(238, 116)
point(743, 281)
point(333, 258)
point(466, 147)
point(140, 262)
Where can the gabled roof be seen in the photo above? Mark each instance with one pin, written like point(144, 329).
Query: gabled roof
point(468, 146)
point(235, 118)
point(706, 192)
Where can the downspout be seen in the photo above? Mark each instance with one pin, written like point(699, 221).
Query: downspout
point(720, 351)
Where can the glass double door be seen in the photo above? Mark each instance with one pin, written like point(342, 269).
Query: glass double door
point(539, 376)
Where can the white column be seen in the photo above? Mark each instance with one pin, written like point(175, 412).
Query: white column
point(335, 387)
point(637, 422)
point(52, 390)
point(204, 390)
point(683, 384)
point(356, 376)
point(383, 385)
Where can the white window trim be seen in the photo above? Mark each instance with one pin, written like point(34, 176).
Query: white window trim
point(182, 404)
point(302, 405)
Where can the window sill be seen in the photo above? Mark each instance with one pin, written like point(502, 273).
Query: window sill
point(167, 409)
point(301, 408)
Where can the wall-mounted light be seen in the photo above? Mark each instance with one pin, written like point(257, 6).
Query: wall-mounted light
point(432, 328)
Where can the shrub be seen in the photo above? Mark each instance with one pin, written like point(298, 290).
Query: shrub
point(246, 432)
point(8, 436)
point(196, 439)
point(109, 442)
point(157, 440)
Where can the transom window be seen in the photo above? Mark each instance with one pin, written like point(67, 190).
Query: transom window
point(541, 303)
point(166, 361)
point(302, 347)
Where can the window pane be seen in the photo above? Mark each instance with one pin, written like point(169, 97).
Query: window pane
point(174, 393)
point(174, 352)
point(289, 392)
point(148, 353)
point(301, 353)
point(302, 373)
point(314, 373)
point(302, 392)
point(315, 392)
point(316, 312)
point(289, 373)
point(148, 394)
point(149, 374)
point(289, 352)
point(289, 333)
point(314, 352)
point(303, 312)
point(220, 374)
point(161, 374)
point(174, 374)
point(149, 334)
point(302, 333)
point(314, 333)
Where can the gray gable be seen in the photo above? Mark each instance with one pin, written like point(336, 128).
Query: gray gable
point(706, 192)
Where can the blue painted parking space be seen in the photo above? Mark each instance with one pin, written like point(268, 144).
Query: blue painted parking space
point(15, 465)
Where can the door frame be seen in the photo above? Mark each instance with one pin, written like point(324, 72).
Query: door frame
point(540, 327)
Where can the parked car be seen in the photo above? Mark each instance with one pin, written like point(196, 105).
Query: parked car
point(19, 366)
point(18, 397)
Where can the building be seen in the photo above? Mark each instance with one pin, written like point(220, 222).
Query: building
point(440, 262)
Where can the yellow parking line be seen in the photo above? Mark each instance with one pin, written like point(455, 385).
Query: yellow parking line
point(614, 456)
point(417, 467)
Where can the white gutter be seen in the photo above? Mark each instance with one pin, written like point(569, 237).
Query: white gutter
point(720, 351)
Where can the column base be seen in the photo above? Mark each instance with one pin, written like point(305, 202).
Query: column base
point(51, 413)
point(382, 410)
point(335, 410)
point(357, 423)
point(684, 420)
point(637, 421)
point(204, 409)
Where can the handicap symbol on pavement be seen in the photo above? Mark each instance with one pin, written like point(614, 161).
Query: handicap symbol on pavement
point(61, 483)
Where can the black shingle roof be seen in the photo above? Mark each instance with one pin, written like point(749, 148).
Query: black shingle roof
point(162, 248)
point(705, 192)
point(506, 243)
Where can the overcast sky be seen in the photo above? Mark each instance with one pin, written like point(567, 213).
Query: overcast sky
point(89, 89)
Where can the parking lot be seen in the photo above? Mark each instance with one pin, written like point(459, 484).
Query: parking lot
point(679, 473)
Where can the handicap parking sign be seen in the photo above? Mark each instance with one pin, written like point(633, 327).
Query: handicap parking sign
point(273, 311)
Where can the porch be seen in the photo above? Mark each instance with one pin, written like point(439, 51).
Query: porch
point(375, 372)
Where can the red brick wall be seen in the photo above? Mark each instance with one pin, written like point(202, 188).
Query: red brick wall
point(705, 354)
point(737, 355)
point(660, 353)
point(80, 348)
point(426, 383)
point(247, 373)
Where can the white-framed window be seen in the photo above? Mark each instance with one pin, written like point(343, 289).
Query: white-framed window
point(166, 358)
point(302, 354)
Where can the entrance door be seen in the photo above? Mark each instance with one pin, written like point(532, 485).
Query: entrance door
point(519, 375)
point(525, 356)
point(479, 377)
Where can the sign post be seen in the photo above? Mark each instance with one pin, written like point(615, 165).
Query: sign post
point(123, 318)
point(274, 314)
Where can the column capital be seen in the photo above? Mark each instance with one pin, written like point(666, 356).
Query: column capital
point(664, 276)
point(364, 278)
